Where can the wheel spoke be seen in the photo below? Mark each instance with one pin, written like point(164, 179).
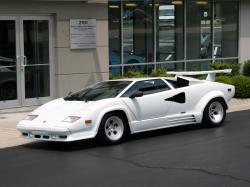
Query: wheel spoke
point(216, 112)
point(114, 128)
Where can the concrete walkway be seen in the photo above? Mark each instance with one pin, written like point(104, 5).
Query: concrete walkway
point(9, 118)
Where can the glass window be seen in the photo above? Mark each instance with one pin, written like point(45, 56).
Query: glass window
point(36, 50)
point(169, 30)
point(153, 30)
point(102, 90)
point(8, 78)
point(178, 66)
point(114, 14)
point(115, 72)
point(199, 37)
point(226, 29)
point(147, 87)
point(199, 65)
point(138, 70)
point(138, 31)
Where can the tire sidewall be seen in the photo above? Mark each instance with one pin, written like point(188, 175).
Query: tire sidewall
point(102, 137)
point(206, 119)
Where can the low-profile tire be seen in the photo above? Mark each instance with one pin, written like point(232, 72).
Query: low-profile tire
point(113, 129)
point(214, 113)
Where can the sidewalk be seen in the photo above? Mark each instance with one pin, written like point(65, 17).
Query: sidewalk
point(9, 118)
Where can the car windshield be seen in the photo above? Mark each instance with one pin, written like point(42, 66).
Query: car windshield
point(102, 90)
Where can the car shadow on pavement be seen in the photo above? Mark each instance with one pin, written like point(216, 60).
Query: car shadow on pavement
point(93, 143)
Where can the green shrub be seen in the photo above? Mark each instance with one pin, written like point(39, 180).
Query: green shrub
point(241, 83)
point(222, 65)
point(242, 86)
point(134, 74)
point(224, 79)
point(246, 68)
point(160, 72)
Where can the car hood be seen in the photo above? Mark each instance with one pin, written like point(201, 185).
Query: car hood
point(57, 110)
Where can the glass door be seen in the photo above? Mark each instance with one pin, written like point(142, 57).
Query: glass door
point(36, 57)
point(10, 93)
point(25, 60)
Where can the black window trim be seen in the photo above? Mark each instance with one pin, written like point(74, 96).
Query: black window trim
point(132, 84)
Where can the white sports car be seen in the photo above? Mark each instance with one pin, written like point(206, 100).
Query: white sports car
point(111, 110)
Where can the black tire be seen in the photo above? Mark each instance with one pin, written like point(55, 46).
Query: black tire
point(214, 113)
point(103, 132)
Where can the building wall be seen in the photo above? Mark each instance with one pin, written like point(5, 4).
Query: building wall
point(73, 69)
point(244, 48)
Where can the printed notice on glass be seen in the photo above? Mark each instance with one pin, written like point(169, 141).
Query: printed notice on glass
point(82, 33)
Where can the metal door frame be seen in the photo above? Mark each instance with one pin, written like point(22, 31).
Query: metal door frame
point(41, 100)
point(21, 100)
point(16, 102)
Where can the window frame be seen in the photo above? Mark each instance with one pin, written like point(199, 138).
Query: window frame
point(185, 61)
point(168, 87)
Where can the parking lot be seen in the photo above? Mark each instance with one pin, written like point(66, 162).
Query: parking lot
point(183, 156)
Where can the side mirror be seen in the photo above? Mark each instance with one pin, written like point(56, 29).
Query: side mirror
point(136, 94)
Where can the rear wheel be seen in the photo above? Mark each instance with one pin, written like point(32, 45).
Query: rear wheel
point(214, 113)
point(113, 128)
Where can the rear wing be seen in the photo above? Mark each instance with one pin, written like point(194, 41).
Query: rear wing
point(210, 74)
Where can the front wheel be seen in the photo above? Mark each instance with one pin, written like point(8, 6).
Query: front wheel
point(113, 129)
point(214, 113)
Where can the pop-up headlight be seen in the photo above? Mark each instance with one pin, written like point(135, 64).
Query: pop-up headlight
point(71, 119)
point(30, 117)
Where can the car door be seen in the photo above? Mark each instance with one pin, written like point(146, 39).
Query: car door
point(150, 110)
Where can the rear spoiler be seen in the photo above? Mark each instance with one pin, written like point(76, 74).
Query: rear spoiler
point(210, 74)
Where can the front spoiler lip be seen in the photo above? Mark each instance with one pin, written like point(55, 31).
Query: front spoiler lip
point(52, 129)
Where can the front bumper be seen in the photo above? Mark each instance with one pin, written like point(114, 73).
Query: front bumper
point(44, 133)
point(54, 133)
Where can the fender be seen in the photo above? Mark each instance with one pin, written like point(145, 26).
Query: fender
point(205, 100)
point(110, 109)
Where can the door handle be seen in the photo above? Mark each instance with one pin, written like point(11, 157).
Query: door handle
point(23, 62)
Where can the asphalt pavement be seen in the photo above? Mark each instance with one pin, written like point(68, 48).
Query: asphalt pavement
point(183, 156)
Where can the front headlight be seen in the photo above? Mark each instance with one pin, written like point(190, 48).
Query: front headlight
point(71, 119)
point(30, 117)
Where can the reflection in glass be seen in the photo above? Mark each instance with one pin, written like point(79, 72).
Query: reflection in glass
point(115, 72)
point(169, 31)
point(36, 49)
point(226, 29)
point(114, 13)
point(36, 41)
point(180, 66)
point(8, 80)
point(131, 71)
point(138, 31)
point(199, 37)
point(37, 81)
point(198, 65)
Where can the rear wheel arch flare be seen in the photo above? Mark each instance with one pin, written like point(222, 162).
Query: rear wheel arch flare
point(214, 117)
point(220, 98)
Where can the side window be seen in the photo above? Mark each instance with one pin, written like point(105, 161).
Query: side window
point(147, 87)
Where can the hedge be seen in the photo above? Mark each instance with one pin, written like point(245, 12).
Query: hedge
point(246, 68)
point(241, 83)
point(223, 65)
